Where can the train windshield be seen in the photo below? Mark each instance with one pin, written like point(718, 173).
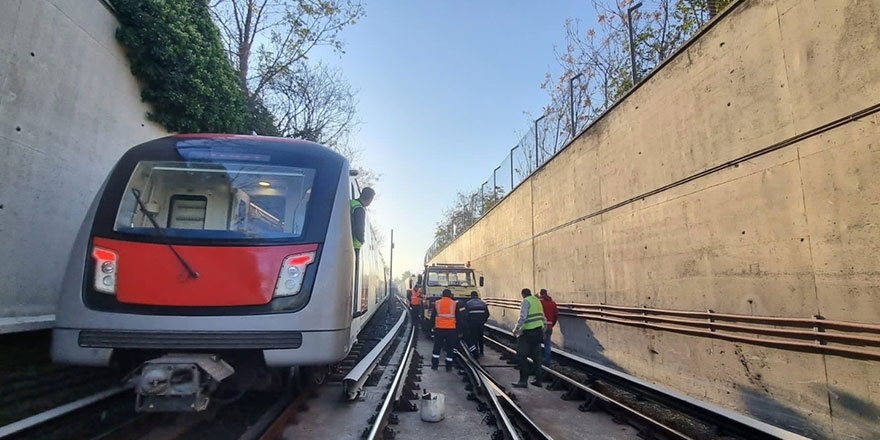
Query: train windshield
point(209, 199)
point(450, 278)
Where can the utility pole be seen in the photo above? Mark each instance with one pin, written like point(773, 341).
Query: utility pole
point(511, 168)
point(391, 263)
point(495, 183)
point(537, 164)
point(632, 44)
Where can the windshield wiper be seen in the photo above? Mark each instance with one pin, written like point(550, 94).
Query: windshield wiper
point(137, 197)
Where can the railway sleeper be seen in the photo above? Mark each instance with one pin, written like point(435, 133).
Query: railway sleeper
point(591, 404)
point(557, 384)
point(573, 394)
point(404, 405)
point(647, 434)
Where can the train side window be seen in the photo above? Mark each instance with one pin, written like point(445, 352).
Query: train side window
point(187, 212)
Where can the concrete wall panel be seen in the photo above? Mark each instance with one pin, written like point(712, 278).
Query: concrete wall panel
point(792, 232)
point(854, 395)
point(573, 273)
point(842, 196)
point(821, 40)
point(669, 145)
point(69, 108)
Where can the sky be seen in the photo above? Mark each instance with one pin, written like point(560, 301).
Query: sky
point(443, 91)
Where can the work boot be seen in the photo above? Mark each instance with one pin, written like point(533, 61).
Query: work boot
point(520, 385)
point(535, 383)
point(434, 367)
point(448, 368)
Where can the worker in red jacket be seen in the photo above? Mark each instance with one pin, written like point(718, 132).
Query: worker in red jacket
point(551, 316)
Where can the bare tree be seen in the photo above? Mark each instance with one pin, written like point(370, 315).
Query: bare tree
point(280, 32)
point(314, 103)
point(599, 57)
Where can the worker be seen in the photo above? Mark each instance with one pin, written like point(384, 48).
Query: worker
point(445, 334)
point(359, 216)
point(551, 315)
point(529, 331)
point(478, 314)
point(415, 305)
point(358, 231)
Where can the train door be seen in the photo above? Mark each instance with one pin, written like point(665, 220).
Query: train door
point(359, 257)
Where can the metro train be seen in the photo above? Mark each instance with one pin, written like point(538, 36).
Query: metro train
point(205, 255)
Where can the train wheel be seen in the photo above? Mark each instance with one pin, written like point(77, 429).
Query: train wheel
point(293, 381)
point(318, 375)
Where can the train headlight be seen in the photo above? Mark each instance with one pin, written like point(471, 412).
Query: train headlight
point(290, 278)
point(105, 270)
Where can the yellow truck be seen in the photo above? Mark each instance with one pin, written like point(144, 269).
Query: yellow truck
point(460, 278)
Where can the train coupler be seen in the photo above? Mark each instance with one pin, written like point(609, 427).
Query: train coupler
point(178, 382)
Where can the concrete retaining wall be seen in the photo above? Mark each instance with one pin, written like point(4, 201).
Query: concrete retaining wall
point(69, 108)
point(794, 232)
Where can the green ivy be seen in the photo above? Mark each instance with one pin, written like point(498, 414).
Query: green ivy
point(175, 51)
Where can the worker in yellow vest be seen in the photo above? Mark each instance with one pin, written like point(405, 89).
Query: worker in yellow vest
point(358, 235)
point(359, 217)
point(445, 334)
point(529, 331)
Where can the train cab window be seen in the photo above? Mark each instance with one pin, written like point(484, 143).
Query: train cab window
point(450, 278)
point(223, 200)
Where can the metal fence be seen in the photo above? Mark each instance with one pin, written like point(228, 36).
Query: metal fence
point(547, 134)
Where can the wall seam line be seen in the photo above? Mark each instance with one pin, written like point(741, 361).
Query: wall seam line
point(804, 205)
point(757, 153)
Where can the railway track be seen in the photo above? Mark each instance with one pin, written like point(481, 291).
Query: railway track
point(92, 415)
point(347, 397)
point(109, 414)
point(661, 413)
point(391, 365)
point(513, 422)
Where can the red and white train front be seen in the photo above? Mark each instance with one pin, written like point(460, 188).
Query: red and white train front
point(206, 254)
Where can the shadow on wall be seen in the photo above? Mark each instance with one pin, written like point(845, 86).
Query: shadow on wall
point(848, 408)
point(577, 337)
point(765, 408)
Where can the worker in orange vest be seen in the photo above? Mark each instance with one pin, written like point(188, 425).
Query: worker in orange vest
point(445, 334)
point(415, 305)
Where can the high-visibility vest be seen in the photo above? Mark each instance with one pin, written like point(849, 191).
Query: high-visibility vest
point(416, 297)
point(445, 313)
point(355, 204)
point(535, 318)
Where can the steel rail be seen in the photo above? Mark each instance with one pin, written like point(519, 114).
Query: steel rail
point(353, 382)
point(271, 425)
point(482, 382)
point(500, 399)
point(733, 422)
point(396, 384)
point(613, 406)
point(55, 413)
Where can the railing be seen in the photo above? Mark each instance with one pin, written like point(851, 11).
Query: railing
point(573, 108)
point(815, 335)
point(547, 135)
